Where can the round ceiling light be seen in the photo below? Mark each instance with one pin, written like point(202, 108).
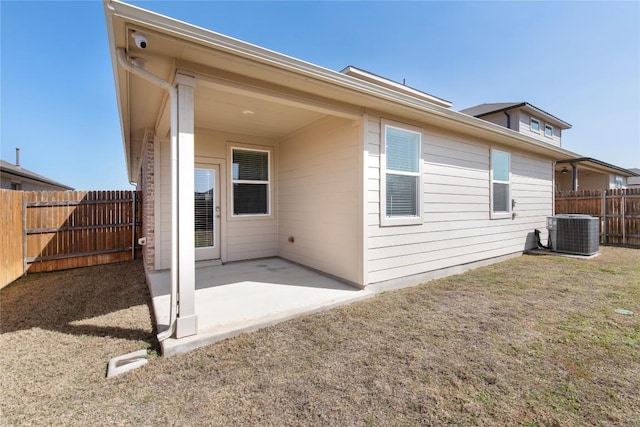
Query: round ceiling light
point(248, 113)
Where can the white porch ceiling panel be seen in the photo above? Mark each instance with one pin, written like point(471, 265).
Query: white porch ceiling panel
point(231, 112)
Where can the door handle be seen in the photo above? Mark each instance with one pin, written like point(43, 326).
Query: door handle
point(217, 211)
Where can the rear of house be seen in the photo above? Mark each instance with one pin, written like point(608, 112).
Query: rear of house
point(243, 153)
point(477, 200)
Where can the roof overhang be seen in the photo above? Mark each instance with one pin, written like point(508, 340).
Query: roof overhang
point(532, 109)
point(381, 81)
point(596, 165)
point(224, 59)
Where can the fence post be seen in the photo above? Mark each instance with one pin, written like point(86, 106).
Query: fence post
point(133, 226)
point(624, 225)
point(24, 234)
point(604, 217)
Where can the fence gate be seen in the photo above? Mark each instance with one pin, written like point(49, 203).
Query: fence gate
point(68, 229)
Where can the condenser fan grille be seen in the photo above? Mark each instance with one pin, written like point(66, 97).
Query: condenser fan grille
point(575, 234)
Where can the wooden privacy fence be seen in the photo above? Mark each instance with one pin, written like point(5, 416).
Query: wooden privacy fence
point(11, 237)
point(68, 229)
point(618, 210)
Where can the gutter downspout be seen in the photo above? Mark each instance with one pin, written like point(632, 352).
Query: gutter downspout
point(508, 119)
point(553, 186)
point(574, 177)
point(173, 94)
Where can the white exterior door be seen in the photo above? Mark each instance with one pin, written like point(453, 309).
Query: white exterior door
point(207, 212)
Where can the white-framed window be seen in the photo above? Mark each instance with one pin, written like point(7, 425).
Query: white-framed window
point(250, 181)
point(619, 182)
point(548, 131)
point(500, 184)
point(534, 125)
point(400, 174)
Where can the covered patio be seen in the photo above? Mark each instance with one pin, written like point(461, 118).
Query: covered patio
point(247, 295)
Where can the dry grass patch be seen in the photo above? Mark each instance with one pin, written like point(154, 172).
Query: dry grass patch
point(531, 341)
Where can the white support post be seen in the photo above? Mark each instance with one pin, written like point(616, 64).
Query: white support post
point(186, 322)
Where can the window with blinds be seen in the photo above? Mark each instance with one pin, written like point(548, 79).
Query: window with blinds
point(500, 181)
point(250, 176)
point(401, 170)
point(205, 199)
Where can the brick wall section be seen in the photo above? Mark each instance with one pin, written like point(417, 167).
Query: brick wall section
point(148, 213)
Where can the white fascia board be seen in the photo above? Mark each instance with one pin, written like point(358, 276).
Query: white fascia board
point(216, 41)
point(381, 81)
point(548, 118)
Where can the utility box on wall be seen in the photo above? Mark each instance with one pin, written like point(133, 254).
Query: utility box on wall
point(574, 234)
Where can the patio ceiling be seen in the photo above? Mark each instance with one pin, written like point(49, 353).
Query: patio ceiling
point(232, 112)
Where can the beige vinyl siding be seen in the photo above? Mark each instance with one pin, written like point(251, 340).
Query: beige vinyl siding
point(241, 238)
point(456, 228)
point(500, 118)
point(318, 199)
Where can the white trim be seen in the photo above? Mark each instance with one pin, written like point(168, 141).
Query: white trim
point(531, 120)
point(363, 157)
point(217, 202)
point(269, 182)
point(548, 126)
point(187, 320)
point(409, 220)
point(499, 214)
point(384, 82)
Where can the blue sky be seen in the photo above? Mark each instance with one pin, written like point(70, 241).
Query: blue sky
point(579, 61)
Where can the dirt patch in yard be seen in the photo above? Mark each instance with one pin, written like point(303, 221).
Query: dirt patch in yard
point(530, 341)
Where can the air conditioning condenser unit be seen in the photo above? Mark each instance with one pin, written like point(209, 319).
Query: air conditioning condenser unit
point(574, 234)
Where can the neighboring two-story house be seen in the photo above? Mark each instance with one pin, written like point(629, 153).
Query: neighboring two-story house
point(634, 181)
point(583, 173)
point(524, 118)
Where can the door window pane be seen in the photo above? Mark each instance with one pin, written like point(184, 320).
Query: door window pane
point(204, 194)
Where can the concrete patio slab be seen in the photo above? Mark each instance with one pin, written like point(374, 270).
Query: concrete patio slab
point(245, 296)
